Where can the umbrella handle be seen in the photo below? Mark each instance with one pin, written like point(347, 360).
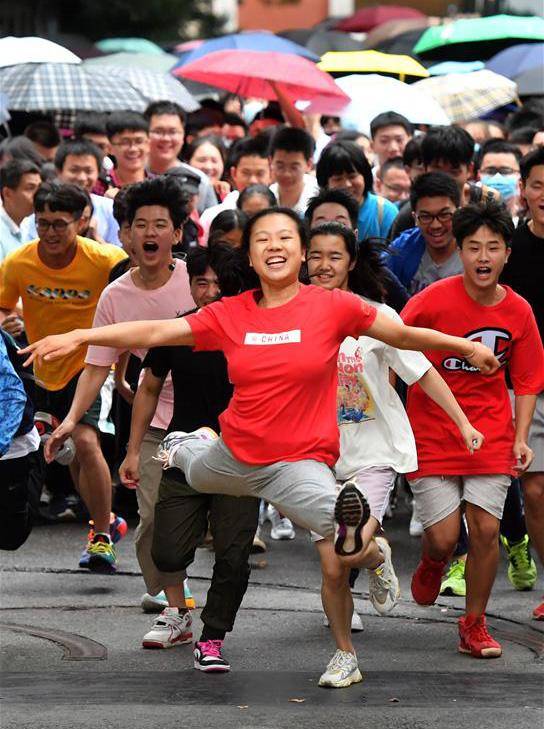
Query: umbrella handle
point(290, 112)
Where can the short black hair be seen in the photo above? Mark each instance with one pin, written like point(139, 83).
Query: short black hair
point(126, 121)
point(60, 197)
point(12, 172)
point(367, 278)
point(78, 148)
point(337, 196)
point(389, 164)
point(165, 191)
point(412, 152)
point(291, 139)
point(44, 133)
point(389, 119)
point(21, 147)
point(434, 184)
point(248, 147)
point(448, 144)
point(349, 135)
point(235, 120)
point(288, 212)
point(257, 189)
point(495, 216)
point(156, 108)
point(198, 260)
point(531, 114)
point(340, 157)
point(497, 146)
point(532, 159)
point(120, 207)
point(522, 135)
point(90, 122)
point(203, 118)
point(226, 221)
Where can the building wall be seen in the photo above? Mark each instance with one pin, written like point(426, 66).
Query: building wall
point(278, 15)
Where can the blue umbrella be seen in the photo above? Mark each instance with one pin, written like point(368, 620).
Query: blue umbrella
point(517, 59)
point(251, 41)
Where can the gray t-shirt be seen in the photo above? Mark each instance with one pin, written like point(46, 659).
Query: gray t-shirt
point(428, 271)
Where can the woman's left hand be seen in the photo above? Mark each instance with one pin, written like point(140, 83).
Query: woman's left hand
point(523, 455)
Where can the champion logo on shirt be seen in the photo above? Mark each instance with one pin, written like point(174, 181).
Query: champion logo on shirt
point(498, 341)
point(263, 338)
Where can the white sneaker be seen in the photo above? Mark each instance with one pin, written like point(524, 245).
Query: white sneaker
point(383, 584)
point(154, 603)
point(167, 450)
point(356, 623)
point(342, 671)
point(169, 630)
point(416, 527)
point(259, 545)
point(281, 527)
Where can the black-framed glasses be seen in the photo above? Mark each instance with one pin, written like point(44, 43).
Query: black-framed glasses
point(59, 226)
point(499, 171)
point(445, 216)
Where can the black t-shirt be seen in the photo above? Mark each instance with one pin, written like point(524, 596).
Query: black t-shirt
point(524, 271)
point(201, 385)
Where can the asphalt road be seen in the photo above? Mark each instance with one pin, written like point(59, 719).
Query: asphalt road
point(71, 654)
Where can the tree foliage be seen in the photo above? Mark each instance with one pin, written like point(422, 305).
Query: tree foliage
point(158, 20)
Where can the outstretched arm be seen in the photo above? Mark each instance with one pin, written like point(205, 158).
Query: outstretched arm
point(126, 335)
point(401, 336)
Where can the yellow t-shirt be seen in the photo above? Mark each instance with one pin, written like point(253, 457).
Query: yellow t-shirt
point(57, 300)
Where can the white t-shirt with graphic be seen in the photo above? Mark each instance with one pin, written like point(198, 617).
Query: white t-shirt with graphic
point(374, 427)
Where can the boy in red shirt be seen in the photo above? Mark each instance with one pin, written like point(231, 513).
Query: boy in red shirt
point(473, 305)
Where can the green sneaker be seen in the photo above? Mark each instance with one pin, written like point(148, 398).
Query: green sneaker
point(521, 566)
point(454, 582)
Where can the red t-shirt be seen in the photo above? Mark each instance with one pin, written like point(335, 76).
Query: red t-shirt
point(509, 329)
point(283, 365)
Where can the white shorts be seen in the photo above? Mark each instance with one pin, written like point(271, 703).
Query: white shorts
point(436, 497)
point(375, 483)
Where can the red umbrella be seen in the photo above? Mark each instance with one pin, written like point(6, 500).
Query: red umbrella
point(259, 73)
point(366, 19)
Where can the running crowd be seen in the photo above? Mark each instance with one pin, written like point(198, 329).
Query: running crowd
point(281, 321)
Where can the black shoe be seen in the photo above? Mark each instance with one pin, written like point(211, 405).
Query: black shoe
point(351, 513)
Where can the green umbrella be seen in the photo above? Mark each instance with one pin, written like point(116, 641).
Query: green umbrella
point(151, 61)
point(477, 39)
point(128, 45)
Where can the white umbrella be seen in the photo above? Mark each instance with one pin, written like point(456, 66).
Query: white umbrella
point(373, 94)
point(14, 51)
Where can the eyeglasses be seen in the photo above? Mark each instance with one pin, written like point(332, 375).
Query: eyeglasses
point(398, 189)
point(59, 226)
point(172, 133)
point(127, 143)
point(499, 171)
point(445, 216)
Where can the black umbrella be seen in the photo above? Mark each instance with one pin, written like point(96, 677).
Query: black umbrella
point(322, 41)
point(402, 43)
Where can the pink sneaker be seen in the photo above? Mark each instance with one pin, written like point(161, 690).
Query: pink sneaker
point(209, 658)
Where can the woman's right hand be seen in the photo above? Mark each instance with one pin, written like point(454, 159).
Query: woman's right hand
point(55, 346)
point(483, 358)
point(129, 470)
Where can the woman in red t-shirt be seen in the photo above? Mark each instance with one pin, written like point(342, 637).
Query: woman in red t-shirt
point(279, 437)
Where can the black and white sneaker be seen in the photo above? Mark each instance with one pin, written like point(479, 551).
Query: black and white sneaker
point(209, 657)
point(351, 513)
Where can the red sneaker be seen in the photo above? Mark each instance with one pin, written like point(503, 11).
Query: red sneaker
point(426, 580)
point(538, 612)
point(475, 638)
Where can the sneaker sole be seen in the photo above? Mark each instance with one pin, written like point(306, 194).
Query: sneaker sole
point(156, 644)
point(485, 652)
point(100, 566)
point(351, 513)
point(355, 677)
point(211, 669)
point(283, 538)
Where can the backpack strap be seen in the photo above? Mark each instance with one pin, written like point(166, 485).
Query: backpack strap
point(380, 211)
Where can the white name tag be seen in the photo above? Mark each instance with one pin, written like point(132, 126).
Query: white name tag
point(279, 338)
